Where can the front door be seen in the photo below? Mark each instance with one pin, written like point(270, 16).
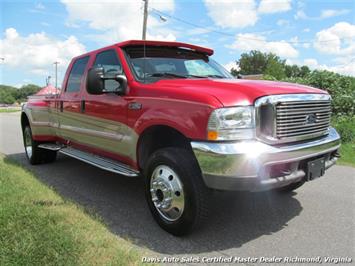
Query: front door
point(105, 115)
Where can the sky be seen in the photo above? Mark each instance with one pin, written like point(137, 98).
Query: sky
point(35, 34)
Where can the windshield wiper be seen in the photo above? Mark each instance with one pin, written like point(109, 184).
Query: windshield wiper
point(216, 76)
point(166, 74)
point(170, 74)
point(197, 76)
point(206, 76)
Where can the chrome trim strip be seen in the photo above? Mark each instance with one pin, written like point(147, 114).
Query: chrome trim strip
point(41, 124)
point(92, 132)
point(292, 98)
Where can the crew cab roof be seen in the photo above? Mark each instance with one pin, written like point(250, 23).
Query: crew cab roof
point(192, 47)
point(197, 48)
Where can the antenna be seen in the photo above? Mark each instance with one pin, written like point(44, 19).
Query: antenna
point(144, 35)
point(145, 18)
point(144, 61)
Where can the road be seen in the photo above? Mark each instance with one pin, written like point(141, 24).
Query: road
point(316, 220)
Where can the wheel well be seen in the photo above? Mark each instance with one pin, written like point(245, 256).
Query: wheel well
point(157, 137)
point(24, 120)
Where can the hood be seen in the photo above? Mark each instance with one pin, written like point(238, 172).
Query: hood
point(231, 92)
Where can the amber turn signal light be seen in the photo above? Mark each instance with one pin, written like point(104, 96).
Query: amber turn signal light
point(212, 135)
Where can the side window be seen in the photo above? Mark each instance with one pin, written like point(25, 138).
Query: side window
point(112, 66)
point(76, 74)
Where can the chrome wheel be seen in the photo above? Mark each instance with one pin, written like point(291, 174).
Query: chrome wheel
point(167, 193)
point(28, 142)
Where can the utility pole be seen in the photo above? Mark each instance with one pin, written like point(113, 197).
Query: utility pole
point(56, 73)
point(145, 18)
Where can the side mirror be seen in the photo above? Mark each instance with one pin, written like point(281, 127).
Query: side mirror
point(96, 82)
point(122, 80)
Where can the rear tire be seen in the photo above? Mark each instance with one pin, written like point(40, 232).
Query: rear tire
point(34, 154)
point(175, 192)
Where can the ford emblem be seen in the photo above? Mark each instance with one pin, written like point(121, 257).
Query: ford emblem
point(311, 119)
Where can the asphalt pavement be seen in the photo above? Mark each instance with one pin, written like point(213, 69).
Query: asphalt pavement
point(317, 220)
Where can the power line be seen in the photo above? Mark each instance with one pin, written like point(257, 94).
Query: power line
point(348, 63)
point(160, 13)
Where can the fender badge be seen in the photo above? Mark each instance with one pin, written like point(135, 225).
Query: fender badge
point(134, 106)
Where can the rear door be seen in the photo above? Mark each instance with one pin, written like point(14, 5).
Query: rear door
point(70, 102)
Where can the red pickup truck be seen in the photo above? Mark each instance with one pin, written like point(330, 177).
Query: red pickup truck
point(168, 112)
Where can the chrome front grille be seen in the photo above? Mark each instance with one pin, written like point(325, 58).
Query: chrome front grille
point(302, 118)
point(292, 117)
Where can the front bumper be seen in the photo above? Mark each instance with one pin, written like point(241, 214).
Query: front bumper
point(255, 166)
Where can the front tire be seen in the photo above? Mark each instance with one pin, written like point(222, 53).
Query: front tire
point(176, 194)
point(34, 154)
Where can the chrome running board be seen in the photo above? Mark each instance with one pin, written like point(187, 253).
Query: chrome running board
point(100, 162)
point(51, 146)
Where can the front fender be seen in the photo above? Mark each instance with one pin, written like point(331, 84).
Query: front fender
point(189, 119)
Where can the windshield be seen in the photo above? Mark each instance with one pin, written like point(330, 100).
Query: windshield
point(172, 63)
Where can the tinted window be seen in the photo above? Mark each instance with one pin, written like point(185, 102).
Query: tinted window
point(155, 63)
point(112, 66)
point(76, 74)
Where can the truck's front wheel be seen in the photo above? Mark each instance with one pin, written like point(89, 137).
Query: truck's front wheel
point(175, 192)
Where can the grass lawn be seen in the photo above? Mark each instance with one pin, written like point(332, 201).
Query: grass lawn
point(347, 152)
point(38, 227)
point(9, 110)
point(345, 125)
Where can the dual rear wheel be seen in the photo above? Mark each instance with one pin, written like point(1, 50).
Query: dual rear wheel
point(34, 154)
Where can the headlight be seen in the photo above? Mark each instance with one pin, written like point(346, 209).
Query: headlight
point(231, 123)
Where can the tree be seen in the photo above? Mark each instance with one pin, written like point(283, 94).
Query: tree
point(305, 71)
point(268, 64)
point(8, 99)
point(275, 69)
point(253, 62)
point(256, 62)
point(234, 72)
point(9, 94)
point(27, 90)
point(292, 71)
point(295, 71)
